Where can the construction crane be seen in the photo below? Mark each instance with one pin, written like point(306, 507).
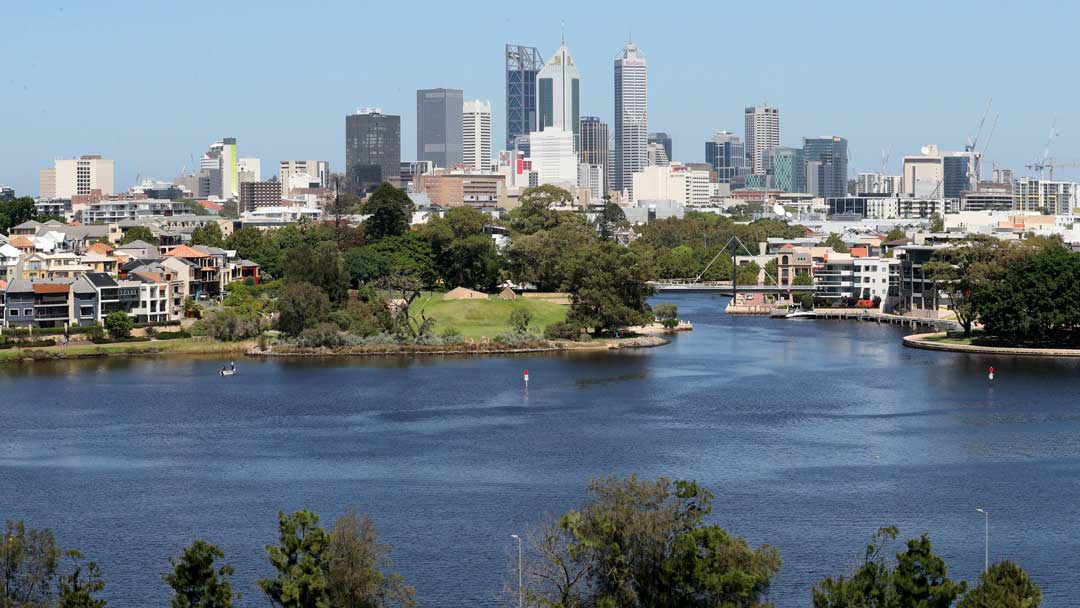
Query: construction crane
point(1049, 164)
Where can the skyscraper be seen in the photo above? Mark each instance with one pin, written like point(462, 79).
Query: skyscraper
point(523, 63)
point(438, 126)
point(372, 150)
point(77, 176)
point(558, 92)
point(631, 116)
point(594, 147)
point(663, 140)
point(476, 135)
point(788, 168)
point(219, 170)
point(726, 154)
point(826, 165)
point(762, 133)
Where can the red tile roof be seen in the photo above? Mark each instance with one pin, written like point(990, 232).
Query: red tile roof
point(183, 251)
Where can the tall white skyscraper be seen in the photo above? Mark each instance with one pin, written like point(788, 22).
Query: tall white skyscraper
point(762, 135)
point(631, 116)
point(476, 134)
point(558, 93)
point(553, 158)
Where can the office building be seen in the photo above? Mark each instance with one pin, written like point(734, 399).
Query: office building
point(220, 168)
point(787, 168)
point(687, 187)
point(591, 178)
point(877, 183)
point(558, 93)
point(77, 176)
point(727, 156)
point(6, 193)
point(372, 150)
point(664, 141)
point(411, 170)
point(960, 172)
point(303, 172)
point(988, 197)
point(924, 174)
point(762, 134)
point(438, 126)
point(523, 63)
point(553, 157)
point(826, 166)
point(594, 147)
point(255, 195)
point(657, 155)
point(456, 189)
point(631, 116)
point(249, 169)
point(476, 135)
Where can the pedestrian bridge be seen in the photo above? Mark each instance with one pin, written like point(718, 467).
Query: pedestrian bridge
point(724, 287)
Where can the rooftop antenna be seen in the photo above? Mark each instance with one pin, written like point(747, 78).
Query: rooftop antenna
point(562, 27)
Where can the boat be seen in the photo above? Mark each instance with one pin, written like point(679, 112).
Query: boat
point(795, 311)
point(228, 372)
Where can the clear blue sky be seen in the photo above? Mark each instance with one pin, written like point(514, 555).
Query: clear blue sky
point(150, 83)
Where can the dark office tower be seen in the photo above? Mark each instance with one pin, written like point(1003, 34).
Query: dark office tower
point(663, 140)
point(438, 126)
point(372, 150)
point(596, 146)
point(523, 63)
point(727, 155)
point(826, 166)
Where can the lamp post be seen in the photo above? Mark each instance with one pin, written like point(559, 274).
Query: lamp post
point(986, 539)
point(521, 590)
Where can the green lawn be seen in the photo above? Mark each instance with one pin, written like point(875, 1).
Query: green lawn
point(477, 318)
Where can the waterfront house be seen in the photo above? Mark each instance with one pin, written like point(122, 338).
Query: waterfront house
point(137, 250)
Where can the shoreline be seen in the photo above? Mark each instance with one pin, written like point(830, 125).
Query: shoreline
point(926, 342)
point(412, 350)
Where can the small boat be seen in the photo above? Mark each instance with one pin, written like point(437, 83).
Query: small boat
point(228, 372)
point(795, 311)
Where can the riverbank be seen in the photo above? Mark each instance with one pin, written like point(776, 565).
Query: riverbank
point(464, 348)
point(186, 346)
point(941, 342)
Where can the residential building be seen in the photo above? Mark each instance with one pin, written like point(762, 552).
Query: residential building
point(248, 170)
point(919, 208)
point(558, 95)
point(631, 117)
point(439, 127)
point(220, 169)
point(916, 290)
point(877, 183)
point(762, 135)
point(456, 189)
point(988, 196)
point(254, 195)
point(6, 194)
point(664, 141)
point(1054, 198)
point(113, 211)
point(594, 148)
point(278, 216)
point(56, 207)
point(317, 171)
point(523, 64)
point(553, 158)
point(372, 150)
point(591, 177)
point(863, 207)
point(787, 167)
point(476, 135)
point(792, 262)
point(826, 166)
point(77, 176)
point(727, 156)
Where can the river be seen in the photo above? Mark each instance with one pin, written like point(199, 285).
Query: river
point(811, 434)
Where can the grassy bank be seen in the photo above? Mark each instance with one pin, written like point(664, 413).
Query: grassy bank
point(477, 318)
point(188, 346)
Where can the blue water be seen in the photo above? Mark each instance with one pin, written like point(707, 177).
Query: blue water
point(811, 435)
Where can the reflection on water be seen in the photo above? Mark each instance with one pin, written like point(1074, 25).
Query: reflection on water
point(811, 435)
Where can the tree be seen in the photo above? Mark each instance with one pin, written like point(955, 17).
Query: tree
point(895, 234)
point(535, 211)
point(230, 210)
point(301, 305)
point(838, 245)
point(552, 575)
point(607, 286)
point(77, 591)
point(321, 266)
point(359, 572)
point(28, 562)
point(519, 320)
point(667, 314)
point(118, 324)
point(1004, 585)
point(747, 274)
point(920, 579)
point(644, 543)
point(1035, 300)
point(341, 205)
point(537, 258)
point(300, 559)
point(208, 234)
point(803, 279)
point(937, 223)
point(962, 271)
point(15, 212)
point(390, 210)
point(404, 289)
point(195, 581)
point(139, 233)
point(609, 218)
point(464, 255)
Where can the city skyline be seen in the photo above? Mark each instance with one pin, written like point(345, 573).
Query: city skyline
point(55, 111)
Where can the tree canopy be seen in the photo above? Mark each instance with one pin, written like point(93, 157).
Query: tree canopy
point(196, 581)
point(390, 209)
point(138, 233)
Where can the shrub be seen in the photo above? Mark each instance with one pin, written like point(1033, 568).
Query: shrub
point(95, 333)
point(520, 319)
point(119, 324)
point(172, 335)
point(450, 334)
point(229, 325)
point(326, 335)
point(562, 331)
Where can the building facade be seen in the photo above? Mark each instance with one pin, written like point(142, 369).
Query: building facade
point(372, 150)
point(553, 158)
point(594, 147)
point(727, 155)
point(762, 135)
point(438, 126)
point(476, 135)
point(254, 195)
point(558, 94)
point(317, 171)
point(787, 166)
point(523, 63)
point(826, 166)
point(631, 116)
point(77, 176)
point(664, 141)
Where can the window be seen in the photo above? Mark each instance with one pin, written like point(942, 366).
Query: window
point(28, 312)
point(86, 311)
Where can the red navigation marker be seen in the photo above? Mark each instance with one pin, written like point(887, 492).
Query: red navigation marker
point(526, 378)
point(991, 374)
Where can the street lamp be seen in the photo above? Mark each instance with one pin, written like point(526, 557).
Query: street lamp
point(986, 539)
point(521, 591)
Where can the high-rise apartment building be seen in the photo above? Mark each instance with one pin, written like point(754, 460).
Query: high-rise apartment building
point(664, 141)
point(523, 63)
point(219, 170)
point(826, 165)
point(69, 177)
point(727, 155)
point(254, 195)
point(438, 126)
point(372, 150)
point(303, 173)
point(762, 134)
point(1054, 198)
point(249, 169)
point(594, 148)
point(558, 94)
point(787, 168)
point(553, 157)
point(476, 135)
point(631, 116)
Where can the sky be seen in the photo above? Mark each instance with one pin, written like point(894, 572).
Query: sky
point(152, 84)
